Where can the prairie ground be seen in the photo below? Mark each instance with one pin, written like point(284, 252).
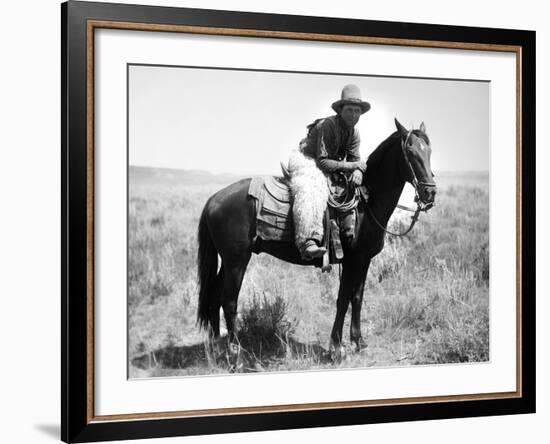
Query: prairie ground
point(426, 297)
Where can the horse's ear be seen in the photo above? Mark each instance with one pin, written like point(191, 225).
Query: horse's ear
point(401, 128)
point(423, 128)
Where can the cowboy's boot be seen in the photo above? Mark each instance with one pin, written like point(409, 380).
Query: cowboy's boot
point(311, 250)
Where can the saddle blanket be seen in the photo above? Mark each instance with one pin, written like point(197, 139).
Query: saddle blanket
point(273, 208)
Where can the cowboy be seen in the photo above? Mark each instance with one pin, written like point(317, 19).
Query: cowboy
point(331, 146)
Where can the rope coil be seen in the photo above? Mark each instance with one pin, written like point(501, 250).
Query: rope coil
point(348, 202)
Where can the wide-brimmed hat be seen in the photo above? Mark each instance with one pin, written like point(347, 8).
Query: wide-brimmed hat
point(351, 95)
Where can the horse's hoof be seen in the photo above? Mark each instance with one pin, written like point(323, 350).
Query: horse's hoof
point(338, 353)
point(237, 366)
point(234, 359)
point(359, 345)
point(233, 349)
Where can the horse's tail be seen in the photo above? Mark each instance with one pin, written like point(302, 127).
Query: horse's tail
point(207, 262)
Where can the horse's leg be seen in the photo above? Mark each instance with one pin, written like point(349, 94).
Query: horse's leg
point(354, 271)
point(232, 280)
point(356, 303)
point(215, 305)
point(341, 308)
point(231, 222)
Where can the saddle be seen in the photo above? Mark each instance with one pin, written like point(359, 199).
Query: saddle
point(273, 208)
point(274, 213)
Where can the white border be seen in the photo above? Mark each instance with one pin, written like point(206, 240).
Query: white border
point(114, 394)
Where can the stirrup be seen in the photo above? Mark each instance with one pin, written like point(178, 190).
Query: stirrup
point(312, 251)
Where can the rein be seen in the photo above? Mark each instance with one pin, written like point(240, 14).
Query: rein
point(414, 180)
point(414, 219)
point(420, 206)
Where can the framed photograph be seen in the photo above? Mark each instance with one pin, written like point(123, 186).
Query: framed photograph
point(275, 221)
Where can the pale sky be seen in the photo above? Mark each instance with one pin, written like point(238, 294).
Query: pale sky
point(246, 122)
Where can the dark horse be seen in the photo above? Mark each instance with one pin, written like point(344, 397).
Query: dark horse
point(227, 228)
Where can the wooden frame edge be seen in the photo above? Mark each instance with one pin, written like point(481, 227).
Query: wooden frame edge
point(96, 24)
point(338, 38)
point(519, 221)
point(90, 207)
point(286, 408)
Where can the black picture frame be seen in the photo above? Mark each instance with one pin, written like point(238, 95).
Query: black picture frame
point(77, 422)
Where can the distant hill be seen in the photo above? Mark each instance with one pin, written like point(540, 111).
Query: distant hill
point(140, 175)
point(476, 174)
point(445, 179)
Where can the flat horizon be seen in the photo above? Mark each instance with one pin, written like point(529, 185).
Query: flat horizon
point(263, 173)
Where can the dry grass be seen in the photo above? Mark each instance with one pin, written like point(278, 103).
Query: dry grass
point(426, 296)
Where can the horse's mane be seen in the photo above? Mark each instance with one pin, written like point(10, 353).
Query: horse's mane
point(378, 156)
point(375, 158)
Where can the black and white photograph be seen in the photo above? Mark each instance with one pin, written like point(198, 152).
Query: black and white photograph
point(283, 221)
point(242, 221)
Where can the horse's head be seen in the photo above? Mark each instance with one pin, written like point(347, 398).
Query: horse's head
point(416, 166)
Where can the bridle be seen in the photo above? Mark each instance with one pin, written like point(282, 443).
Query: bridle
point(414, 180)
point(420, 206)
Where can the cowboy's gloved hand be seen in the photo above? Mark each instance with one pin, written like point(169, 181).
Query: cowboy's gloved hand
point(362, 165)
point(356, 178)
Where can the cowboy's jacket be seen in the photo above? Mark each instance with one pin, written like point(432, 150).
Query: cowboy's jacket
point(330, 141)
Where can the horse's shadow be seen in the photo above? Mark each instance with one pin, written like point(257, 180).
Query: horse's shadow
point(173, 357)
point(214, 354)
